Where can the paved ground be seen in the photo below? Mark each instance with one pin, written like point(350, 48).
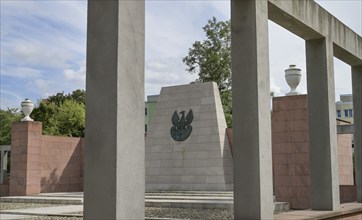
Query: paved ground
point(69, 206)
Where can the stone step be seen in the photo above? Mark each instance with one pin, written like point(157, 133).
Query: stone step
point(210, 200)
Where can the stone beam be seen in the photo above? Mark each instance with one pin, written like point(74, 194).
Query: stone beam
point(253, 193)
point(309, 20)
point(114, 180)
point(357, 117)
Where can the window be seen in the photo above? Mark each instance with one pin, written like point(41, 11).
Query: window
point(350, 113)
point(146, 128)
point(345, 113)
point(339, 113)
point(145, 111)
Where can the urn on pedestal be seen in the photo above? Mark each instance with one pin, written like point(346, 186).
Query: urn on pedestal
point(293, 76)
point(27, 107)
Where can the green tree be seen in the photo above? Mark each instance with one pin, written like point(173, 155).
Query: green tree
point(69, 119)
point(62, 114)
point(7, 117)
point(211, 60)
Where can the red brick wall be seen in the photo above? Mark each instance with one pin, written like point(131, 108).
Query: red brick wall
point(290, 150)
point(345, 161)
point(61, 164)
point(4, 190)
point(25, 158)
point(44, 163)
point(348, 193)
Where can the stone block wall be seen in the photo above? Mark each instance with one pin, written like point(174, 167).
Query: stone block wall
point(201, 162)
point(345, 157)
point(44, 163)
point(290, 149)
point(61, 164)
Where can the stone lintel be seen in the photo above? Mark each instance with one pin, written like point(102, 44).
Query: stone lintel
point(309, 20)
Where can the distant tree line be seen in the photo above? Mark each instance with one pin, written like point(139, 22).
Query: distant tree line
point(61, 114)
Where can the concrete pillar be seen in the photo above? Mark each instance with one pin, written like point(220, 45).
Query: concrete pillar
point(357, 117)
point(25, 175)
point(253, 191)
point(114, 182)
point(322, 125)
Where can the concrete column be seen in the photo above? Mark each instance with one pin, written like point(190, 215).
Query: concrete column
point(253, 191)
point(25, 175)
point(322, 125)
point(3, 166)
point(114, 182)
point(357, 117)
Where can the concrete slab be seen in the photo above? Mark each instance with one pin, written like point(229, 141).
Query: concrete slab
point(13, 216)
point(55, 210)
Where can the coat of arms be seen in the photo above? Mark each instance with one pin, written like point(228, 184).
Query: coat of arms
point(181, 128)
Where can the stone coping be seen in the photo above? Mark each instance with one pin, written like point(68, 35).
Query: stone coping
point(345, 210)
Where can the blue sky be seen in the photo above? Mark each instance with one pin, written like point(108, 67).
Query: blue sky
point(43, 45)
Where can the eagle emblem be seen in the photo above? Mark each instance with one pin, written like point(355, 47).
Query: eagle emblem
point(181, 128)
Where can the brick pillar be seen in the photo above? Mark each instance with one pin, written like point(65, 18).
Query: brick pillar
point(291, 165)
point(25, 158)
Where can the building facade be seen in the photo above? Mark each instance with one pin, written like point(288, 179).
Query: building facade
point(150, 106)
point(344, 108)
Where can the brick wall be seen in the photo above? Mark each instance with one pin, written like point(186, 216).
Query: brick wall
point(345, 160)
point(290, 148)
point(291, 151)
point(61, 164)
point(44, 163)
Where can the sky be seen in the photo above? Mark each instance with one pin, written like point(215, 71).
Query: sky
point(43, 46)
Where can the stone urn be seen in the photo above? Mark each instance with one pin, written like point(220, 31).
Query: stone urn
point(27, 107)
point(293, 76)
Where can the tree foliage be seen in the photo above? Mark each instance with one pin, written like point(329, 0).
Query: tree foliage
point(62, 114)
point(7, 117)
point(211, 60)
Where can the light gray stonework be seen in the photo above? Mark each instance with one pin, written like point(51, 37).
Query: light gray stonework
point(251, 111)
point(357, 109)
point(322, 125)
point(114, 179)
point(201, 162)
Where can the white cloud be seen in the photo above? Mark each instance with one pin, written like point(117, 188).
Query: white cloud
point(165, 72)
point(21, 72)
point(9, 99)
point(78, 75)
point(46, 41)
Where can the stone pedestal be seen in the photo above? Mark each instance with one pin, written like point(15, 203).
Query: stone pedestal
point(202, 161)
point(291, 152)
point(291, 165)
point(25, 158)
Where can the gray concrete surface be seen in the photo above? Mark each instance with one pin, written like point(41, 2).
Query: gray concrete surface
point(322, 125)
point(357, 109)
point(308, 20)
point(114, 179)
point(251, 118)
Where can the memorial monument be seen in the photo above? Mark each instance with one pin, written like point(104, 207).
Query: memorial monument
point(186, 146)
